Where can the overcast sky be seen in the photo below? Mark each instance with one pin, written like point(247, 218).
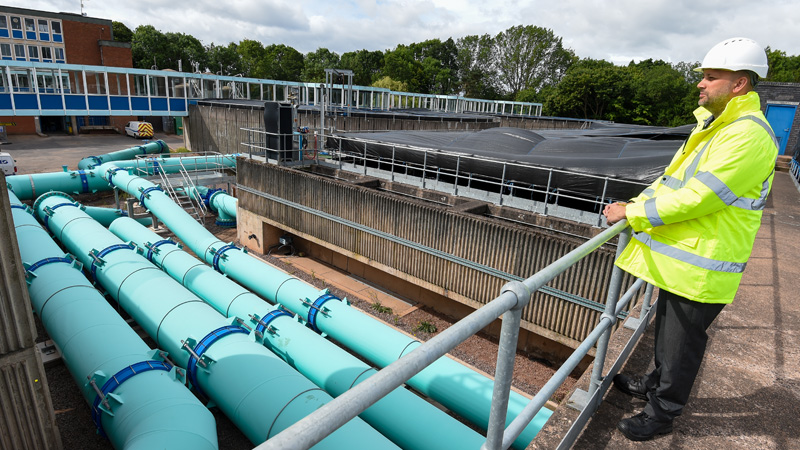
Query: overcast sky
point(615, 30)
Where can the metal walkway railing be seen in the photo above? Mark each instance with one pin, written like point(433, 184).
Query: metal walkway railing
point(508, 305)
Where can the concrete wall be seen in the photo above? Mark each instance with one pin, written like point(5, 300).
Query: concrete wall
point(493, 243)
point(783, 93)
point(27, 420)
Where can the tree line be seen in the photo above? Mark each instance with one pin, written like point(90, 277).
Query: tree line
point(523, 63)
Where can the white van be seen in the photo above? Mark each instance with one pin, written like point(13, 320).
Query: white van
point(7, 164)
point(139, 129)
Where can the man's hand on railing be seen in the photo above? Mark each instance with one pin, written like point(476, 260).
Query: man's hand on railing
point(614, 212)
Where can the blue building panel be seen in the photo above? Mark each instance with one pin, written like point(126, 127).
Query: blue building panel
point(119, 103)
point(140, 103)
point(25, 101)
point(57, 38)
point(50, 101)
point(158, 104)
point(31, 35)
point(75, 101)
point(44, 36)
point(98, 102)
point(177, 104)
point(5, 101)
point(4, 33)
point(16, 34)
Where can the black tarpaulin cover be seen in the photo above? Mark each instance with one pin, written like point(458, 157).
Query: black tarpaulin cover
point(629, 153)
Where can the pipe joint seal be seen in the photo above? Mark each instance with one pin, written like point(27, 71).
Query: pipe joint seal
point(152, 249)
point(520, 291)
point(263, 323)
point(110, 173)
point(219, 255)
point(96, 159)
point(30, 270)
point(97, 257)
point(146, 194)
point(114, 382)
point(50, 210)
point(197, 353)
point(316, 308)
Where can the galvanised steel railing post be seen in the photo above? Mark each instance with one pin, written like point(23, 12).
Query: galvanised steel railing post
point(458, 167)
point(602, 198)
point(393, 163)
point(646, 302)
point(507, 351)
point(614, 288)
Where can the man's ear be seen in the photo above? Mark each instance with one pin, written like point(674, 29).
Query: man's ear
point(741, 85)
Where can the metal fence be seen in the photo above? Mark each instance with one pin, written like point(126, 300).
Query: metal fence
point(508, 305)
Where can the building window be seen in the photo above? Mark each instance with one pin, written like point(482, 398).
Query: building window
point(3, 22)
point(43, 27)
point(47, 53)
point(30, 25)
point(5, 51)
point(19, 52)
point(56, 27)
point(59, 53)
point(33, 52)
point(16, 23)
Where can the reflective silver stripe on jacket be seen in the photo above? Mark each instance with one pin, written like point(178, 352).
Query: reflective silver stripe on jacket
point(652, 213)
point(728, 197)
point(687, 257)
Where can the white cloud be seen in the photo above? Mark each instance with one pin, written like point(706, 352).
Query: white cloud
point(618, 31)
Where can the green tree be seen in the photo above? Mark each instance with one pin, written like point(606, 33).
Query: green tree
point(252, 58)
point(476, 72)
point(224, 59)
point(184, 48)
point(316, 62)
point(591, 89)
point(147, 48)
point(282, 62)
point(530, 57)
point(121, 32)
point(783, 68)
point(389, 83)
point(400, 65)
point(366, 65)
point(661, 94)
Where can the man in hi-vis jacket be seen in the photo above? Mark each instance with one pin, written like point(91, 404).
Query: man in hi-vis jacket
point(694, 228)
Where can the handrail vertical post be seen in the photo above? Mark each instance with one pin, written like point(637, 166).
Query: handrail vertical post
point(647, 301)
point(614, 288)
point(509, 335)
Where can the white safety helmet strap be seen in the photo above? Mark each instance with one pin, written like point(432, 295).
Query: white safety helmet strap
point(737, 54)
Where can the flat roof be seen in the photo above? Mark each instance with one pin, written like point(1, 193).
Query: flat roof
point(76, 17)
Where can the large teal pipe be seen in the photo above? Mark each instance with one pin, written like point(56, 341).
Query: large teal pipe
point(258, 391)
point(107, 215)
point(158, 146)
point(147, 407)
point(327, 365)
point(219, 201)
point(456, 386)
point(29, 187)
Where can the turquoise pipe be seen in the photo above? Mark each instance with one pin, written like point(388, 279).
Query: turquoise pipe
point(325, 364)
point(218, 201)
point(158, 146)
point(107, 215)
point(29, 187)
point(151, 409)
point(459, 388)
point(257, 390)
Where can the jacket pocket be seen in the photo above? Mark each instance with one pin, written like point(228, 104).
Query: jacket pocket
point(677, 233)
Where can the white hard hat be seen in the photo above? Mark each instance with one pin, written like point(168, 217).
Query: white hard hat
point(736, 54)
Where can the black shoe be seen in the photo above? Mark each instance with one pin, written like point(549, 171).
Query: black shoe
point(631, 386)
point(642, 427)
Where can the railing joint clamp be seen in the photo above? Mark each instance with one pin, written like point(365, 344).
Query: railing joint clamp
point(520, 290)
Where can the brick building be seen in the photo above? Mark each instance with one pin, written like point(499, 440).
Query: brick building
point(42, 36)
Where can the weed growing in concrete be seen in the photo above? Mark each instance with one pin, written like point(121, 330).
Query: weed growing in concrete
point(426, 327)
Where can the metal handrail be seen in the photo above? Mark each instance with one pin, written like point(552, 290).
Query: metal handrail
point(509, 304)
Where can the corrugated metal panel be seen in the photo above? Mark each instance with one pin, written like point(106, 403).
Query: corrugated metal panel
point(27, 420)
point(509, 248)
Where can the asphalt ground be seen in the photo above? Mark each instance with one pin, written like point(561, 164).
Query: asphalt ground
point(36, 154)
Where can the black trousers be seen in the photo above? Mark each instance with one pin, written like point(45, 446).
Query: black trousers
point(680, 343)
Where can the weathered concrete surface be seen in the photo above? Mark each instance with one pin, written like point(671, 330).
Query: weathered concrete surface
point(747, 395)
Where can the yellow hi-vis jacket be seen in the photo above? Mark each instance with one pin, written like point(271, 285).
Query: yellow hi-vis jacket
point(694, 228)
